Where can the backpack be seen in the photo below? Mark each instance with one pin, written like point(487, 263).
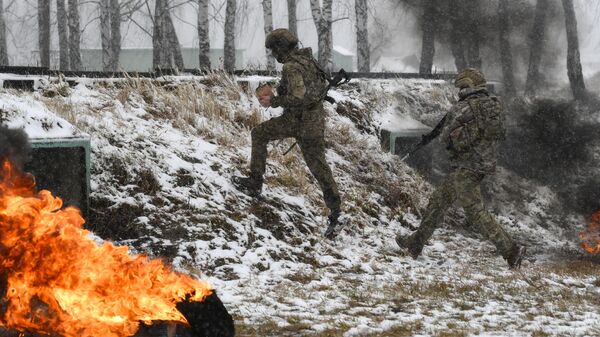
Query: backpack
point(324, 82)
point(318, 82)
point(482, 121)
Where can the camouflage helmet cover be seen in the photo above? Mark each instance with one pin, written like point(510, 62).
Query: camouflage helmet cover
point(469, 78)
point(281, 38)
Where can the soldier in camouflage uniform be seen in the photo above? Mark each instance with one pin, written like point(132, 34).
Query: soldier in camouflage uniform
point(471, 131)
point(301, 92)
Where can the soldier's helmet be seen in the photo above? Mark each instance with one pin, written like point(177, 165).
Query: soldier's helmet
point(469, 78)
point(281, 39)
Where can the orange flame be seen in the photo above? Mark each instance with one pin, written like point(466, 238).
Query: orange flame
point(590, 238)
point(59, 281)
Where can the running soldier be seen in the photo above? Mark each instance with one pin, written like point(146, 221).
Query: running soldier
point(301, 92)
point(471, 131)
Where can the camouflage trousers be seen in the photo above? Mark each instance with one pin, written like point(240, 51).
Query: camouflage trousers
point(463, 187)
point(309, 134)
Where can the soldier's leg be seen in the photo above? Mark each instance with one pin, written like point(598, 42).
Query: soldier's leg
point(439, 202)
point(280, 127)
point(479, 219)
point(313, 150)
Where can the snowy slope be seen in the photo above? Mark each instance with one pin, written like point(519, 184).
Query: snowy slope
point(163, 156)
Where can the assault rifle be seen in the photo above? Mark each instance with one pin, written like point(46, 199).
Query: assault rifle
point(340, 78)
point(426, 139)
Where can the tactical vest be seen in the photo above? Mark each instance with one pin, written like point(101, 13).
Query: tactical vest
point(482, 121)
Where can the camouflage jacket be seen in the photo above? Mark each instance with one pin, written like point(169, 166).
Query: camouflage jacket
point(473, 129)
point(303, 86)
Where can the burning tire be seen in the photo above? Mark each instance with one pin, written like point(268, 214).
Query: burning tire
point(208, 318)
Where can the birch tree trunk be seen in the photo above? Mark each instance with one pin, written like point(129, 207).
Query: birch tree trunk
point(160, 40)
point(63, 35)
point(44, 32)
point(323, 22)
point(115, 34)
point(3, 44)
point(203, 37)
point(363, 58)
point(537, 44)
point(292, 18)
point(506, 58)
point(157, 37)
point(105, 34)
point(229, 48)
point(574, 69)
point(268, 18)
point(428, 23)
point(74, 35)
point(473, 36)
point(456, 42)
point(173, 42)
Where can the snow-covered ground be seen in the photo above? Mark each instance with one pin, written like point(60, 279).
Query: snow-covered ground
point(163, 154)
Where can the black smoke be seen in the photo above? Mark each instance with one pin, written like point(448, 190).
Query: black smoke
point(556, 143)
point(14, 146)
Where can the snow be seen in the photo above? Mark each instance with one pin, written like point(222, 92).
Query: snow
point(267, 258)
point(38, 122)
point(392, 120)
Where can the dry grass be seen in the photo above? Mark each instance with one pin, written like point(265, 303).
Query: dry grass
point(206, 106)
point(298, 328)
point(575, 269)
point(63, 108)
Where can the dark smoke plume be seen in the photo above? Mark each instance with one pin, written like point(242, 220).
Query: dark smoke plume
point(14, 146)
point(553, 142)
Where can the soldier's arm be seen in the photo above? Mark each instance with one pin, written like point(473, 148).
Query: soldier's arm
point(295, 95)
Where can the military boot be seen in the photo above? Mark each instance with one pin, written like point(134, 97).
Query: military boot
point(515, 256)
point(407, 242)
point(333, 225)
point(248, 185)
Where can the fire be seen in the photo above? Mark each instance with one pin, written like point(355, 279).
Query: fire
point(54, 279)
point(590, 238)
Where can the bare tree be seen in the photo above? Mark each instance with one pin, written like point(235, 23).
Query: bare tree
point(74, 35)
point(229, 49)
point(428, 25)
point(537, 44)
point(456, 42)
point(115, 34)
point(363, 47)
point(268, 18)
point(160, 41)
point(292, 19)
point(44, 32)
point(157, 40)
point(3, 44)
point(110, 33)
point(63, 35)
point(506, 58)
point(573, 58)
point(105, 34)
point(173, 42)
point(203, 36)
point(473, 36)
point(322, 17)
